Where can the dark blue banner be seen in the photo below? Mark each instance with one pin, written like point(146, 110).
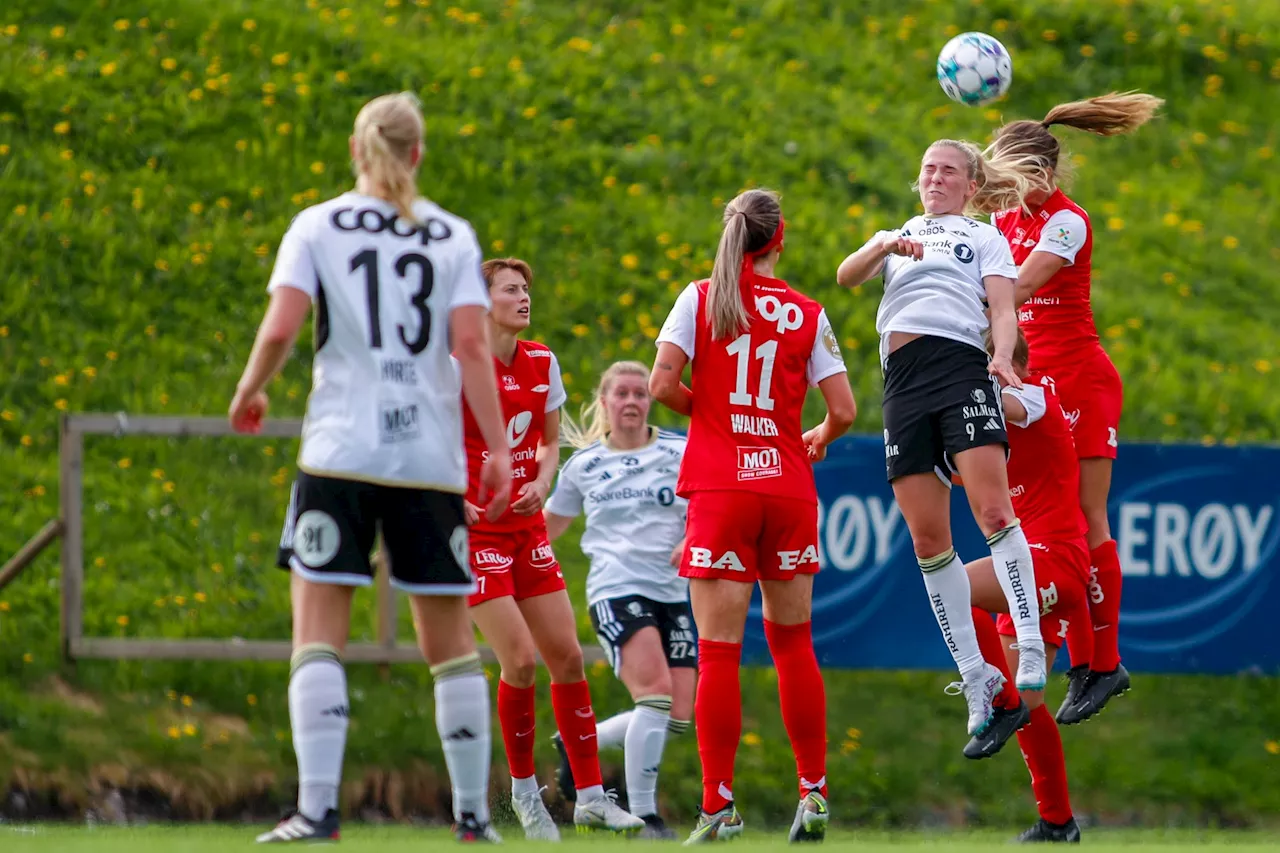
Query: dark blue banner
point(1198, 536)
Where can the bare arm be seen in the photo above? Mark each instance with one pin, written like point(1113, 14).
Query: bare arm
point(556, 525)
point(1034, 273)
point(279, 330)
point(664, 381)
point(470, 341)
point(1014, 412)
point(1004, 328)
point(867, 263)
point(841, 410)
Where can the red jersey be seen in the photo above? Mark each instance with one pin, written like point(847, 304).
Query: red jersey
point(748, 391)
point(1057, 319)
point(1044, 473)
point(528, 388)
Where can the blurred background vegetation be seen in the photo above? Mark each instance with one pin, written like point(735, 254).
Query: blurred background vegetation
point(152, 154)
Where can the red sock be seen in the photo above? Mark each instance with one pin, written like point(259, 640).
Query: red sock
point(577, 722)
point(516, 716)
point(717, 714)
point(993, 653)
point(803, 700)
point(1042, 750)
point(1080, 637)
point(1104, 605)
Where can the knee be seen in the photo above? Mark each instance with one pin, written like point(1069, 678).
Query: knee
point(656, 682)
point(522, 671)
point(930, 544)
point(995, 516)
point(566, 664)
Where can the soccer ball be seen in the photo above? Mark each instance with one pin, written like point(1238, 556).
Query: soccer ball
point(974, 69)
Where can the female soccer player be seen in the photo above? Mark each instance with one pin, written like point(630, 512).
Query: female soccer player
point(755, 345)
point(1052, 243)
point(393, 278)
point(624, 475)
point(942, 401)
point(1044, 482)
point(521, 605)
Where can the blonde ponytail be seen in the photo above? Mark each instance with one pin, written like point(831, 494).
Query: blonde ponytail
point(594, 415)
point(388, 131)
point(1106, 115)
point(750, 221)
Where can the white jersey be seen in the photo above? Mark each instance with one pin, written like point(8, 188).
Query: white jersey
point(386, 403)
point(943, 294)
point(634, 517)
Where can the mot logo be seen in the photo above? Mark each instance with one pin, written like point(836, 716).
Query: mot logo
point(758, 463)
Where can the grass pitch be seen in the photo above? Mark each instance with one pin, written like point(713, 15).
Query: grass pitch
point(206, 838)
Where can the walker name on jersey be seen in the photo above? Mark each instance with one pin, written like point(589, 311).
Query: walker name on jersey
point(753, 425)
point(399, 371)
point(758, 463)
point(400, 423)
point(373, 221)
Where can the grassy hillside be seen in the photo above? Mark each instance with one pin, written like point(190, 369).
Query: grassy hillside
point(152, 153)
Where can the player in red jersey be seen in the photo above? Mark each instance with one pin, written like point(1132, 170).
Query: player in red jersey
point(1052, 242)
point(1043, 483)
point(521, 605)
point(755, 345)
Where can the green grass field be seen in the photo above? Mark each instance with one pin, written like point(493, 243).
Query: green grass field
point(357, 839)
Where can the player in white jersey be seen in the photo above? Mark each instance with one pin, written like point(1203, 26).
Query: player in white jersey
point(624, 477)
point(395, 281)
point(944, 275)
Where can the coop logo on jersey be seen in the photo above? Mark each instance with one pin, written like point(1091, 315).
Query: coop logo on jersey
point(491, 560)
point(963, 252)
point(375, 222)
point(758, 463)
point(518, 428)
point(787, 315)
point(542, 557)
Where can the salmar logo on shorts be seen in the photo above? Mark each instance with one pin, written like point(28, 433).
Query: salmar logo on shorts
point(316, 538)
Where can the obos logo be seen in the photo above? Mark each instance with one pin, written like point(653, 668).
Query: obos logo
point(1196, 547)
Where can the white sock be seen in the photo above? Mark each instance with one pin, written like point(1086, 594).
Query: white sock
point(612, 732)
point(462, 719)
point(948, 586)
point(1011, 558)
point(646, 737)
point(318, 714)
point(524, 786)
point(590, 794)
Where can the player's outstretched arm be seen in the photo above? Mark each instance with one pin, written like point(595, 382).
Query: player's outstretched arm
point(285, 315)
point(841, 411)
point(867, 263)
point(664, 381)
point(1034, 273)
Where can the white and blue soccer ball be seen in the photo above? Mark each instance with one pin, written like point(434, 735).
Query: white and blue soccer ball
point(974, 69)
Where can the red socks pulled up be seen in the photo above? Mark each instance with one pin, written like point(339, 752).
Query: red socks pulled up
point(1104, 606)
point(1041, 746)
point(718, 715)
point(803, 700)
point(577, 723)
point(516, 717)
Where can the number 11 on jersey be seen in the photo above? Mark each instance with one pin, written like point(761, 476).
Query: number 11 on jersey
point(741, 348)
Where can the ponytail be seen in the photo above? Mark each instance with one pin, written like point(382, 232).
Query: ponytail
point(725, 308)
point(594, 415)
point(1106, 115)
point(752, 228)
point(388, 131)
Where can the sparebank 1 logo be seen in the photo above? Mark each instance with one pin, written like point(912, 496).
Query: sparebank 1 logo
point(1195, 547)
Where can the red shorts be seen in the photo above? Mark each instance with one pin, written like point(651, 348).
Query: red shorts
point(1092, 398)
point(748, 536)
point(1061, 567)
point(518, 563)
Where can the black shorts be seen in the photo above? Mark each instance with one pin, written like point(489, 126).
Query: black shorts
point(617, 620)
point(331, 524)
point(938, 401)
